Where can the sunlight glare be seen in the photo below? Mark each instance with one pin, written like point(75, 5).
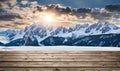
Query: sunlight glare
point(48, 18)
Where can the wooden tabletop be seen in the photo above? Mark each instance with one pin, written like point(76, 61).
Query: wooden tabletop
point(59, 61)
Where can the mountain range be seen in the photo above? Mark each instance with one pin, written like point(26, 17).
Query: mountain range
point(98, 34)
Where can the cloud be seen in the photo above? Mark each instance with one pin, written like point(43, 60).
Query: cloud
point(24, 2)
point(12, 15)
point(113, 8)
point(80, 13)
point(8, 17)
point(20, 16)
point(63, 9)
point(7, 3)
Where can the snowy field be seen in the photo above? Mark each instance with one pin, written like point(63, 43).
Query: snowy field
point(59, 48)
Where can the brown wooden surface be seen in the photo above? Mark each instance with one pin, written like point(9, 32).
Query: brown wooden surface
point(59, 61)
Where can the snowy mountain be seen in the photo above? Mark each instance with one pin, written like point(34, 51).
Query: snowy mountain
point(96, 34)
point(112, 40)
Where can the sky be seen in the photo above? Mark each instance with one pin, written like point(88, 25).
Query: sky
point(80, 3)
point(17, 14)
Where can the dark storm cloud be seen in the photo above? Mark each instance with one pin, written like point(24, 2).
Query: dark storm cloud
point(113, 8)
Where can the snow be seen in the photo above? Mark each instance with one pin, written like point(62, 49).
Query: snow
point(59, 48)
point(3, 39)
point(19, 35)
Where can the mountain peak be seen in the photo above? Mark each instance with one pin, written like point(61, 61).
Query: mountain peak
point(39, 32)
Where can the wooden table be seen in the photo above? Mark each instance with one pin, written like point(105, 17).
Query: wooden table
point(59, 61)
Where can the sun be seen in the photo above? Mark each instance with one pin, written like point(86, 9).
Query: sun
point(48, 18)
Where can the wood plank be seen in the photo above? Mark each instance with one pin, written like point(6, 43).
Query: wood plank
point(62, 64)
point(60, 56)
point(59, 59)
point(43, 54)
point(56, 54)
point(59, 69)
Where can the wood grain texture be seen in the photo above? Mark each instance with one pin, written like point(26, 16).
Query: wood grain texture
point(59, 61)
